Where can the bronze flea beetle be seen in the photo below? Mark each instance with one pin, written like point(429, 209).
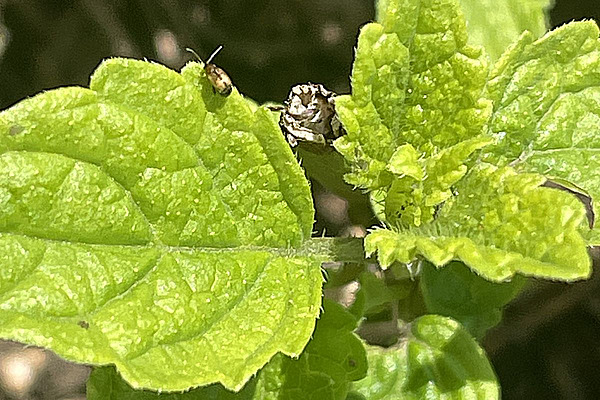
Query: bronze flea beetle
point(217, 77)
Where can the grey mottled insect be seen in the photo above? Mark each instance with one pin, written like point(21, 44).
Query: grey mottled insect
point(217, 77)
point(309, 116)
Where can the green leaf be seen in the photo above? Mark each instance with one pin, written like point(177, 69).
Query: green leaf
point(151, 224)
point(332, 360)
point(437, 359)
point(535, 82)
point(376, 293)
point(414, 81)
point(416, 113)
point(455, 291)
point(496, 24)
point(404, 162)
point(574, 164)
point(106, 384)
point(501, 223)
point(547, 107)
point(411, 201)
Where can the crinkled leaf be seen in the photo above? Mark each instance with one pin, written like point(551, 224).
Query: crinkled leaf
point(106, 384)
point(547, 107)
point(455, 291)
point(534, 79)
point(501, 223)
point(499, 226)
point(496, 24)
point(581, 165)
point(414, 80)
point(416, 112)
point(437, 359)
point(405, 161)
point(147, 223)
point(333, 358)
point(411, 201)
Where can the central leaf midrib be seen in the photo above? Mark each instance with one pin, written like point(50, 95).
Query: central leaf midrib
point(283, 250)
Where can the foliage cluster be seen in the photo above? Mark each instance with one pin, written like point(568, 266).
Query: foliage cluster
point(162, 232)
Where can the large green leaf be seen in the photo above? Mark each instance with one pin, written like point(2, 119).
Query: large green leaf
point(436, 359)
point(496, 24)
point(547, 107)
point(151, 224)
point(501, 223)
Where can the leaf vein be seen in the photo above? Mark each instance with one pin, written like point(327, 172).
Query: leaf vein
point(228, 309)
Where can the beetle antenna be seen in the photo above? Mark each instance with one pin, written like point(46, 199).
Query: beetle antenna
point(194, 53)
point(217, 50)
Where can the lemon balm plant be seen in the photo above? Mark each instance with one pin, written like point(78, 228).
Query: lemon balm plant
point(162, 233)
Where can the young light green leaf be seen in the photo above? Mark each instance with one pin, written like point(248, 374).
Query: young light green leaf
point(501, 223)
point(414, 80)
point(574, 164)
point(333, 358)
point(405, 162)
point(151, 224)
point(455, 291)
point(496, 24)
point(410, 201)
point(436, 359)
point(547, 107)
point(534, 81)
point(105, 383)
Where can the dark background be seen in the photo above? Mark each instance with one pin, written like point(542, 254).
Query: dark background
point(548, 346)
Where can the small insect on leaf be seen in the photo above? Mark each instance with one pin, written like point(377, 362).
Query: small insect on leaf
point(217, 77)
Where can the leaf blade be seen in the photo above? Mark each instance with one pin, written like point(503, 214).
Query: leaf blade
point(497, 24)
point(455, 291)
point(332, 360)
point(153, 251)
point(221, 304)
point(546, 106)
